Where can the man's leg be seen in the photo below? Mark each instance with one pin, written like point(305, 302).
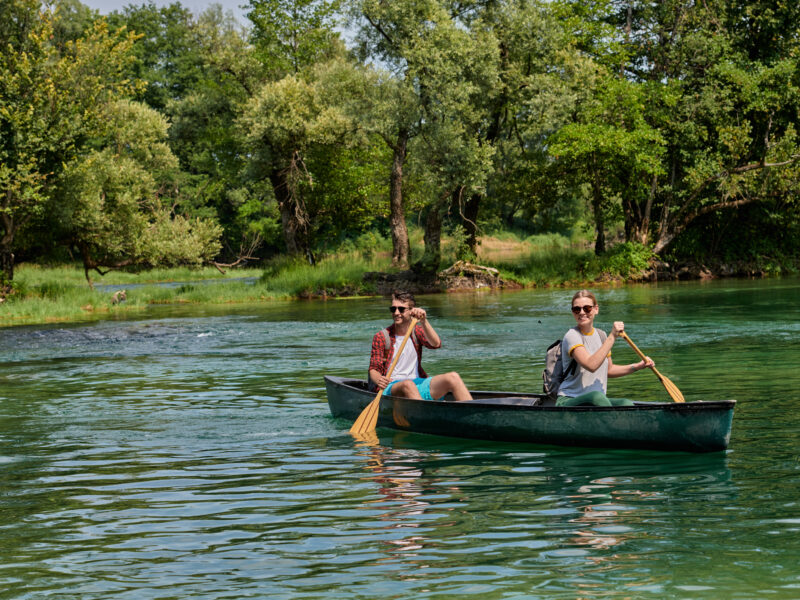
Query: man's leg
point(405, 389)
point(449, 383)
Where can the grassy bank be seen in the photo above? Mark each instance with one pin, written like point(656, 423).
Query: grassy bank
point(61, 293)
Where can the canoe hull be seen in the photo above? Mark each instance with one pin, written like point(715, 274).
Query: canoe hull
point(515, 417)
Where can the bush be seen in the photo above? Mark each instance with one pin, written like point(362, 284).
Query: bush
point(626, 259)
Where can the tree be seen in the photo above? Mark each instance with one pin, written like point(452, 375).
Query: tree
point(50, 102)
point(117, 200)
point(293, 35)
point(724, 101)
point(282, 123)
point(386, 32)
point(166, 50)
point(433, 65)
point(289, 115)
point(612, 151)
point(211, 149)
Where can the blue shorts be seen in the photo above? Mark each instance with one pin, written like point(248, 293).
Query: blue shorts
point(423, 385)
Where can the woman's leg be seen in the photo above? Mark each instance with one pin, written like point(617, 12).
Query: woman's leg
point(620, 402)
point(588, 399)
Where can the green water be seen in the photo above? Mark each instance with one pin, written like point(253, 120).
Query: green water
point(191, 454)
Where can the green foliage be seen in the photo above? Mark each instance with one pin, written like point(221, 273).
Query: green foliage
point(626, 259)
point(459, 246)
point(292, 35)
point(670, 124)
point(165, 50)
point(114, 211)
point(367, 245)
point(51, 101)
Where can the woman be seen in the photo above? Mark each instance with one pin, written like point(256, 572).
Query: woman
point(586, 383)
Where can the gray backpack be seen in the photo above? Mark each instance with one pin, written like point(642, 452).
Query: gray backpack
point(554, 372)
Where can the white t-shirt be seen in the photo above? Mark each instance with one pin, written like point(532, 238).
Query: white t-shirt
point(407, 365)
point(582, 380)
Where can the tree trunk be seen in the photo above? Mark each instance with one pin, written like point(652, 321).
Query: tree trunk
point(291, 213)
point(599, 218)
point(397, 219)
point(432, 258)
point(6, 264)
point(470, 216)
point(6, 242)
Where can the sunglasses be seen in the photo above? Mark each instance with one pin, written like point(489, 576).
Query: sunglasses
point(587, 308)
point(400, 309)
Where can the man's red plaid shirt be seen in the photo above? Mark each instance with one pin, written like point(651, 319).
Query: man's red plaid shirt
point(381, 356)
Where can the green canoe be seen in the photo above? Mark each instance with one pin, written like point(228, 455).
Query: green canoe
point(517, 417)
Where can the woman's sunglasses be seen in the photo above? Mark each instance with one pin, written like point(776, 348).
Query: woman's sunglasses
point(586, 308)
point(400, 309)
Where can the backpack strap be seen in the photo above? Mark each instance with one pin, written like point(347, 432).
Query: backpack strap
point(573, 366)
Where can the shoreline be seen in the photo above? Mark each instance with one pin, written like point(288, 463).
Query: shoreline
point(80, 304)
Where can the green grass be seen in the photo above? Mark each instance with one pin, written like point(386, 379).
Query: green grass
point(339, 274)
point(32, 275)
point(552, 260)
point(57, 294)
point(61, 293)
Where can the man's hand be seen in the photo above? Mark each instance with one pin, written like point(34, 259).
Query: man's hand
point(418, 314)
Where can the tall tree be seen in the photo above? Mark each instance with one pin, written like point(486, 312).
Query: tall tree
point(50, 102)
point(166, 50)
point(287, 115)
point(211, 149)
point(292, 35)
point(434, 65)
point(117, 200)
point(282, 124)
point(724, 103)
point(611, 151)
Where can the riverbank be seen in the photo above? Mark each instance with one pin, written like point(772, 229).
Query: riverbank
point(52, 294)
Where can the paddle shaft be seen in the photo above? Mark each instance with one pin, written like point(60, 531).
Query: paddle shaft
point(368, 418)
point(636, 349)
point(671, 388)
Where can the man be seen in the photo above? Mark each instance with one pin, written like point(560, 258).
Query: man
point(408, 379)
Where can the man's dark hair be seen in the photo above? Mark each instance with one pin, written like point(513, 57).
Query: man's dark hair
point(404, 296)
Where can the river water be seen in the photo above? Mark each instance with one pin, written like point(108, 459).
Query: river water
point(190, 453)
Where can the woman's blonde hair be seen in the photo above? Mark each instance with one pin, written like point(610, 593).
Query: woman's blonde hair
point(585, 294)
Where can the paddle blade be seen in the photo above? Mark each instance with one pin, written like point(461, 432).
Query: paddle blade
point(369, 438)
point(368, 418)
point(671, 388)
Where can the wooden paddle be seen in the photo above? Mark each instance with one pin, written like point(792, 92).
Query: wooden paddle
point(671, 388)
point(368, 418)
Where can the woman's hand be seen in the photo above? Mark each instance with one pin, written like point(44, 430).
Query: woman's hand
point(617, 329)
point(647, 363)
